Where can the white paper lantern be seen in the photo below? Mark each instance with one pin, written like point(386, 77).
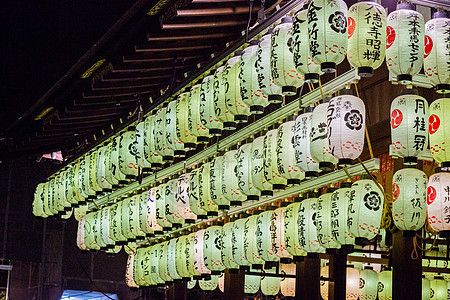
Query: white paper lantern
point(291, 233)
point(150, 153)
point(324, 272)
point(323, 221)
point(129, 272)
point(215, 184)
point(110, 169)
point(191, 284)
point(327, 30)
point(208, 284)
point(194, 195)
point(196, 127)
point(159, 132)
point(171, 204)
point(46, 201)
point(244, 173)
point(271, 161)
point(264, 235)
point(263, 69)
point(251, 242)
point(100, 173)
point(302, 142)
point(220, 106)
point(80, 234)
point(115, 224)
point(232, 86)
point(439, 126)
point(437, 50)
point(80, 211)
point(212, 249)
point(307, 233)
point(409, 194)
point(137, 268)
point(199, 261)
point(173, 131)
point(251, 93)
point(115, 161)
point(319, 145)
point(282, 64)
point(208, 116)
point(127, 154)
point(257, 168)
point(141, 142)
point(287, 285)
point(346, 121)
point(105, 227)
point(301, 50)
point(437, 196)
point(160, 207)
point(230, 182)
point(252, 283)
point(154, 264)
point(163, 267)
point(426, 289)
point(352, 284)
point(180, 257)
point(385, 285)
point(404, 42)
point(89, 233)
point(83, 183)
point(277, 228)
point(151, 209)
point(365, 210)
point(368, 284)
point(221, 282)
point(139, 229)
point(38, 202)
point(126, 223)
point(366, 37)
point(92, 175)
point(145, 222)
point(204, 190)
point(183, 205)
point(227, 246)
point(237, 242)
point(270, 286)
point(190, 252)
point(72, 194)
point(340, 200)
point(182, 111)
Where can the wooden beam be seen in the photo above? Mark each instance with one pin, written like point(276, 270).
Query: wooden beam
point(115, 101)
point(338, 273)
point(234, 284)
point(226, 23)
point(116, 92)
point(176, 37)
point(118, 76)
point(131, 84)
point(143, 57)
point(299, 284)
point(221, 11)
point(216, 1)
point(159, 48)
point(146, 69)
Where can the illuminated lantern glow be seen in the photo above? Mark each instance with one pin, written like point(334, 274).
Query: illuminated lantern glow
point(340, 200)
point(172, 131)
point(38, 202)
point(127, 154)
point(352, 283)
point(307, 232)
point(71, 186)
point(100, 174)
point(194, 195)
point(83, 183)
point(199, 261)
point(227, 246)
point(237, 242)
point(61, 192)
point(93, 184)
point(205, 192)
point(52, 197)
point(324, 226)
point(144, 215)
point(89, 232)
point(154, 264)
point(437, 196)
point(302, 142)
point(426, 286)
point(104, 228)
point(250, 241)
point(270, 286)
point(46, 201)
point(366, 37)
point(163, 268)
point(220, 106)
point(191, 284)
point(285, 154)
point(324, 272)
point(409, 125)
point(190, 254)
point(291, 235)
point(127, 216)
point(115, 222)
point(368, 284)
point(264, 235)
point(257, 168)
point(76, 184)
point(409, 204)
point(232, 85)
point(282, 64)
point(145, 262)
point(151, 210)
point(437, 51)
point(137, 268)
point(271, 161)
point(150, 153)
point(251, 283)
point(160, 206)
point(230, 182)
point(327, 28)
point(404, 42)
point(180, 257)
point(129, 272)
point(208, 116)
point(319, 145)
point(141, 142)
point(244, 173)
point(212, 249)
point(287, 285)
point(346, 128)
point(80, 211)
point(277, 228)
point(109, 171)
point(215, 184)
point(300, 48)
point(195, 124)
point(183, 205)
point(385, 285)
point(262, 64)
point(251, 93)
point(208, 284)
point(80, 234)
point(159, 132)
point(171, 204)
point(221, 282)
point(182, 112)
point(116, 170)
point(438, 129)
point(134, 212)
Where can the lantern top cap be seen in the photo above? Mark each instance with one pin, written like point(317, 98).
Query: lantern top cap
point(346, 92)
point(256, 212)
point(330, 190)
point(406, 5)
point(440, 14)
point(284, 204)
point(254, 42)
point(308, 109)
point(270, 207)
point(286, 20)
point(238, 53)
point(410, 91)
point(345, 185)
point(367, 176)
point(269, 31)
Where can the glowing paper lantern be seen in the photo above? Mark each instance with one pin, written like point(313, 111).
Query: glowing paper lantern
point(404, 42)
point(160, 206)
point(250, 242)
point(323, 221)
point(257, 168)
point(324, 272)
point(72, 194)
point(194, 195)
point(127, 216)
point(38, 202)
point(199, 261)
point(204, 190)
point(100, 173)
point(230, 182)
point(319, 145)
point(221, 282)
point(208, 284)
point(89, 239)
point(163, 267)
point(80, 211)
point(127, 154)
point(215, 184)
point(115, 222)
point(220, 106)
point(171, 204)
point(365, 209)
point(137, 268)
point(270, 286)
point(251, 283)
point(233, 100)
point(227, 246)
point(116, 170)
point(110, 169)
point(409, 125)
point(301, 50)
point(439, 126)
point(287, 285)
point(409, 194)
point(190, 254)
point(208, 116)
point(160, 138)
point(327, 32)
point(46, 201)
point(182, 111)
point(437, 197)
point(129, 272)
point(145, 222)
point(237, 242)
point(368, 284)
point(340, 200)
point(183, 205)
point(282, 64)
point(270, 157)
point(307, 233)
point(352, 284)
point(277, 227)
point(244, 172)
point(366, 37)
point(426, 289)
point(151, 210)
point(172, 131)
point(93, 184)
point(264, 235)
point(212, 249)
point(302, 142)
point(141, 142)
point(150, 153)
point(83, 183)
point(385, 285)
point(251, 93)
point(196, 126)
point(80, 234)
point(191, 284)
point(134, 211)
point(285, 154)
point(346, 121)
point(104, 228)
point(262, 64)
point(291, 233)
point(180, 257)
point(154, 264)
point(437, 45)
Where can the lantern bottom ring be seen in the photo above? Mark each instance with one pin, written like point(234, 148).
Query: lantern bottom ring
point(311, 174)
point(298, 258)
point(279, 187)
point(442, 88)
point(177, 225)
point(91, 197)
point(410, 160)
point(360, 241)
point(197, 277)
point(150, 235)
point(177, 280)
point(216, 272)
point(404, 78)
point(189, 221)
point(266, 193)
point(293, 181)
point(130, 177)
point(140, 238)
point(212, 213)
point(188, 147)
point(270, 264)
point(365, 71)
point(224, 207)
point(274, 98)
point(312, 77)
point(326, 166)
point(215, 131)
point(186, 278)
point(229, 126)
point(179, 153)
point(158, 232)
point(202, 217)
point(328, 67)
point(206, 276)
point(233, 271)
point(289, 90)
point(257, 109)
point(252, 198)
point(285, 260)
point(347, 248)
point(244, 268)
point(146, 170)
point(257, 266)
point(345, 161)
point(156, 165)
point(202, 139)
point(99, 193)
point(236, 203)
point(241, 118)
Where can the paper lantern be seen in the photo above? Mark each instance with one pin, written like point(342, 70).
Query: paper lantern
point(301, 50)
point(346, 121)
point(80, 211)
point(110, 169)
point(208, 116)
point(145, 222)
point(163, 267)
point(220, 106)
point(409, 194)
point(215, 184)
point(230, 182)
point(190, 254)
point(339, 205)
point(93, 157)
point(116, 170)
point(409, 125)
point(221, 282)
point(160, 207)
point(426, 289)
point(172, 131)
point(237, 242)
point(141, 142)
point(183, 205)
point(438, 288)
point(257, 168)
point(171, 204)
point(327, 32)
point(365, 209)
point(437, 196)
point(80, 234)
point(154, 264)
point(251, 283)
point(307, 233)
point(195, 125)
point(137, 268)
point(126, 223)
point(105, 227)
point(368, 284)
point(150, 153)
point(145, 261)
point(83, 182)
point(287, 285)
point(264, 235)
point(271, 160)
point(127, 154)
point(277, 228)
point(437, 45)
point(159, 132)
point(151, 211)
point(291, 233)
point(212, 249)
point(352, 284)
point(262, 64)
point(323, 221)
point(250, 242)
point(100, 172)
point(89, 233)
point(182, 111)
point(199, 261)
point(282, 64)
point(270, 286)
point(385, 285)
point(72, 194)
point(191, 284)
point(208, 284)
point(244, 172)
point(194, 195)
point(324, 272)
point(438, 129)
point(227, 246)
point(129, 272)
point(366, 37)
point(61, 192)
point(180, 257)
point(285, 154)
point(233, 100)
point(404, 42)
point(38, 202)
point(204, 190)
point(52, 196)
point(319, 144)
point(302, 142)
point(251, 93)
point(46, 201)
point(137, 227)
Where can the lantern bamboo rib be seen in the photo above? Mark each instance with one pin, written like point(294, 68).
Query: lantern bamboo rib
point(369, 144)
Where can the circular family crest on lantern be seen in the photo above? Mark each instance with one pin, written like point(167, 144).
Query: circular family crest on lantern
point(385, 285)
point(439, 128)
point(368, 284)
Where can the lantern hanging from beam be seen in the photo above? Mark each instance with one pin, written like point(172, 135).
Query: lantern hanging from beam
point(138, 229)
point(437, 51)
point(109, 169)
point(116, 171)
point(352, 283)
point(244, 173)
point(251, 94)
point(115, 230)
point(105, 227)
point(251, 240)
point(302, 142)
point(190, 252)
point(409, 194)
point(72, 185)
point(346, 121)
point(366, 37)
point(285, 153)
point(127, 154)
point(208, 116)
point(291, 233)
point(227, 246)
point(183, 204)
point(257, 168)
point(83, 183)
point(93, 173)
point(237, 239)
point(89, 232)
point(137, 268)
point(100, 172)
point(340, 200)
point(129, 272)
point(208, 284)
point(287, 285)
point(61, 192)
point(215, 184)
point(194, 195)
point(160, 206)
point(80, 234)
point(144, 215)
point(199, 261)
point(205, 191)
point(196, 126)
point(251, 283)
point(173, 131)
point(171, 204)
point(180, 258)
point(154, 264)
point(282, 64)
point(38, 202)
point(324, 272)
point(127, 216)
point(307, 232)
point(230, 182)
point(146, 256)
point(182, 111)
point(163, 268)
point(438, 128)
point(426, 286)
point(159, 132)
point(385, 285)
point(277, 228)
point(141, 142)
point(264, 235)
point(368, 284)
point(46, 202)
point(271, 160)
point(327, 30)
point(220, 106)
point(324, 226)
point(437, 197)
point(212, 249)
point(270, 286)
point(262, 65)
point(150, 152)
point(151, 208)
point(80, 211)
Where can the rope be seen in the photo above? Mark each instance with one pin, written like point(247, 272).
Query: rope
point(416, 245)
point(348, 174)
point(369, 144)
point(320, 86)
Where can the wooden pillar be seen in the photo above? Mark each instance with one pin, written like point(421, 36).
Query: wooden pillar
point(178, 290)
point(299, 274)
point(234, 284)
point(338, 275)
point(311, 277)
